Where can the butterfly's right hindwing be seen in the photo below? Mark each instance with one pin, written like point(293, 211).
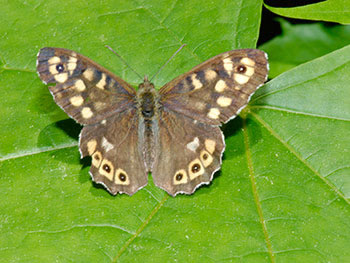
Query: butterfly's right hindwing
point(84, 90)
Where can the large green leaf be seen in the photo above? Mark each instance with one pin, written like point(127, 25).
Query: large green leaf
point(329, 10)
point(301, 43)
point(281, 194)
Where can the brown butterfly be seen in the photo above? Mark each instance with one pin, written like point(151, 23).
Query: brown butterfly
point(173, 133)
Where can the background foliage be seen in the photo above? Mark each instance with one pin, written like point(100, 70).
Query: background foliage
point(282, 194)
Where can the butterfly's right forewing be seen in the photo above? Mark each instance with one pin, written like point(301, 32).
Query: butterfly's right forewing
point(219, 88)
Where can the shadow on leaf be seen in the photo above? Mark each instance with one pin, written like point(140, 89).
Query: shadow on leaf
point(56, 134)
point(59, 134)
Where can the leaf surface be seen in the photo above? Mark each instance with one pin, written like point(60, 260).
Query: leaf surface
point(281, 194)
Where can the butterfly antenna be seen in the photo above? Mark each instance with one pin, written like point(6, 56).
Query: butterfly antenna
point(111, 49)
point(166, 63)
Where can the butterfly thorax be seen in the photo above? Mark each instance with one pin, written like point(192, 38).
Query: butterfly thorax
point(147, 98)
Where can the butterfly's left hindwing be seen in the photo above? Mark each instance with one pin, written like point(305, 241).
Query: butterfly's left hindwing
point(84, 90)
point(116, 160)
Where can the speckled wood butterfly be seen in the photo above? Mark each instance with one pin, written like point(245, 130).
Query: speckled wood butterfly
point(173, 133)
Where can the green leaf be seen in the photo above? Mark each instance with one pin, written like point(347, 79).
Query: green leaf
point(280, 195)
point(301, 43)
point(330, 10)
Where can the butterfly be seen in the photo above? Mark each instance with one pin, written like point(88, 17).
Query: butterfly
point(172, 133)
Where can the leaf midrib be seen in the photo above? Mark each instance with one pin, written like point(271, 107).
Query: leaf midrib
point(36, 151)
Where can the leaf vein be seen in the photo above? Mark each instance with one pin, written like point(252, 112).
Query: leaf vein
point(141, 228)
point(298, 112)
point(255, 192)
point(312, 169)
point(37, 151)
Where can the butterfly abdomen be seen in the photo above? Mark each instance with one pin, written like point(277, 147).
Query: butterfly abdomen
point(147, 97)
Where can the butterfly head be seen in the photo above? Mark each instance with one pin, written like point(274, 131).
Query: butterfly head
point(146, 85)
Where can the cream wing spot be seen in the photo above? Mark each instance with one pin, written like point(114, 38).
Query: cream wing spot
point(76, 101)
point(53, 70)
point(86, 113)
point(96, 159)
point(249, 72)
point(106, 144)
point(62, 77)
point(89, 74)
point(54, 60)
point(206, 158)
point(193, 145)
point(220, 86)
point(214, 113)
point(72, 58)
point(195, 169)
point(72, 64)
point(180, 177)
point(91, 146)
point(196, 83)
point(224, 101)
point(121, 177)
point(107, 169)
point(210, 145)
point(240, 78)
point(102, 83)
point(228, 65)
point(247, 61)
point(80, 85)
point(71, 67)
point(210, 74)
